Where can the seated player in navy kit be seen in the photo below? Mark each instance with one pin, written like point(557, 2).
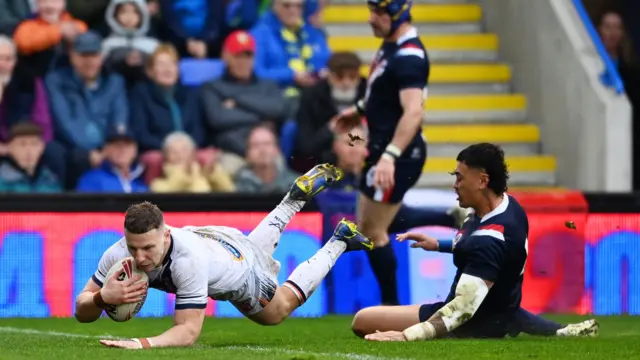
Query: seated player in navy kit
point(490, 253)
point(393, 107)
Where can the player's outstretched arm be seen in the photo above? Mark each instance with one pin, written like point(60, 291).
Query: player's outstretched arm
point(426, 242)
point(187, 324)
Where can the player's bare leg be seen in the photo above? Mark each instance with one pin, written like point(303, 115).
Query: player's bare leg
point(268, 232)
point(307, 276)
point(385, 318)
point(374, 219)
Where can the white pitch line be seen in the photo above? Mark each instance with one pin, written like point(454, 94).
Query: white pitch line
point(258, 349)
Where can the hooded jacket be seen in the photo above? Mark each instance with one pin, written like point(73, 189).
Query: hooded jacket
point(122, 40)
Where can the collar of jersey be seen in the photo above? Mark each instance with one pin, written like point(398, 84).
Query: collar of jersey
point(168, 256)
point(499, 210)
point(412, 33)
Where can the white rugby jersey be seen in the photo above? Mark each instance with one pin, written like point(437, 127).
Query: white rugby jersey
point(202, 262)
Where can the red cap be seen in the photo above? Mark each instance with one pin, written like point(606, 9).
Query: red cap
point(238, 42)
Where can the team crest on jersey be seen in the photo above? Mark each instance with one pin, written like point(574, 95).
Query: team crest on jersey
point(237, 255)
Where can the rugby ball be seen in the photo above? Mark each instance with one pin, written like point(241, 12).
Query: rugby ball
point(124, 312)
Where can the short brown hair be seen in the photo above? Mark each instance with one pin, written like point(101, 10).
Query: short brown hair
point(163, 48)
point(24, 128)
point(342, 61)
point(142, 218)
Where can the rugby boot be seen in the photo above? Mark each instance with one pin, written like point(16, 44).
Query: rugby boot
point(315, 180)
point(347, 232)
point(589, 328)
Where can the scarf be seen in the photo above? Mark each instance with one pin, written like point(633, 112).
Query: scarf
point(298, 52)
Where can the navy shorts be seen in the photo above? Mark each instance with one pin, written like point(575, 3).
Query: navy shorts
point(408, 170)
point(427, 310)
point(487, 329)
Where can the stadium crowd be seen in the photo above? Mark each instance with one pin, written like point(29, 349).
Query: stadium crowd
point(129, 96)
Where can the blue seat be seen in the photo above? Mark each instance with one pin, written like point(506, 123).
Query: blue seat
point(288, 138)
point(195, 72)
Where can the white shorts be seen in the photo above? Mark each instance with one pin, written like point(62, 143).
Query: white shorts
point(261, 283)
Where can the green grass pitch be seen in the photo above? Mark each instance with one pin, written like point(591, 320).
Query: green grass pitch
point(296, 338)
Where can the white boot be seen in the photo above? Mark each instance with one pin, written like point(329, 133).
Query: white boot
point(589, 328)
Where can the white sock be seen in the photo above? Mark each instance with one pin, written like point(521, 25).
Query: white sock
point(268, 232)
point(307, 276)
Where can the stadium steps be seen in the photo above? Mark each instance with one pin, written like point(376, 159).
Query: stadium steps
point(470, 94)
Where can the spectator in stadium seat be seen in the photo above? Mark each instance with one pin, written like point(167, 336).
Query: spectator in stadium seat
point(266, 171)
point(193, 26)
point(183, 173)
point(244, 14)
point(86, 100)
point(119, 172)
point(24, 170)
point(618, 45)
point(13, 12)
point(23, 96)
point(290, 51)
point(349, 155)
point(41, 38)
point(320, 103)
point(238, 101)
point(161, 106)
point(128, 47)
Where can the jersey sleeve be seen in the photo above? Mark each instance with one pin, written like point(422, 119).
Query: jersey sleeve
point(486, 257)
point(411, 68)
point(191, 281)
point(108, 259)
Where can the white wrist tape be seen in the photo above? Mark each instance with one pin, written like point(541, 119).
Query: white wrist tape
point(422, 331)
point(142, 345)
point(139, 343)
point(470, 293)
point(388, 157)
point(393, 150)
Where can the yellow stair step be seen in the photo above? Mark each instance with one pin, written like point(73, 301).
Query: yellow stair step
point(488, 42)
point(470, 133)
point(542, 163)
point(495, 102)
point(436, 13)
point(463, 73)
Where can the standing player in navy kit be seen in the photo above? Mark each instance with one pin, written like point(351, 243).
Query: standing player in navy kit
point(393, 108)
point(490, 253)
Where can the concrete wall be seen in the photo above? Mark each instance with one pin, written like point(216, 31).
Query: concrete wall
point(587, 126)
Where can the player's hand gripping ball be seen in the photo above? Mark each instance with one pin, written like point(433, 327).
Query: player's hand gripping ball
point(125, 290)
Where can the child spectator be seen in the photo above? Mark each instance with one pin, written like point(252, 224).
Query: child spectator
point(39, 39)
point(128, 46)
point(23, 170)
point(183, 173)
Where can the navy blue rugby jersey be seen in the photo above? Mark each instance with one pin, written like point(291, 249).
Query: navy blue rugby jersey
point(493, 248)
point(397, 65)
